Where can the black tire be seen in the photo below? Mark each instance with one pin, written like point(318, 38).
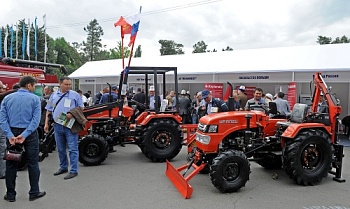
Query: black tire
point(161, 140)
point(269, 161)
point(308, 157)
point(93, 150)
point(230, 171)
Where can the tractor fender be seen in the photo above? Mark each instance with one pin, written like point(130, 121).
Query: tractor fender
point(293, 129)
point(153, 116)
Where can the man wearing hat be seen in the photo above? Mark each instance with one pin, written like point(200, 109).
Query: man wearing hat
point(213, 105)
point(153, 99)
point(114, 94)
point(184, 106)
point(242, 96)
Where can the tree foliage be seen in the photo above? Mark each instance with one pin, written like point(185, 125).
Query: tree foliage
point(92, 46)
point(138, 51)
point(169, 47)
point(328, 40)
point(200, 47)
point(227, 49)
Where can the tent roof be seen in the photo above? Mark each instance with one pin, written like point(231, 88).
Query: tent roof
point(330, 57)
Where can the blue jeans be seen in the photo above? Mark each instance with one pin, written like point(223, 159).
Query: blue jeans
point(194, 118)
point(31, 146)
point(65, 138)
point(2, 153)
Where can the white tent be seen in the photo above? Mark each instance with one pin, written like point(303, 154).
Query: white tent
point(331, 57)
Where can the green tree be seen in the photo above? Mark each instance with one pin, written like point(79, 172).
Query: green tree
point(93, 45)
point(169, 47)
point(328, 40)
point(116, 53)
point(200, 47)
point(227, 49)
point(67, 55)
point(138, 51)
point(214, 50)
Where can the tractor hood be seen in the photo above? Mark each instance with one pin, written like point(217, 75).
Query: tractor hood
point(233, 117)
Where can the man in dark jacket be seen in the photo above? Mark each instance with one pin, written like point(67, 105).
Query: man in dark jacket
point(213, 105)
point(184, 107)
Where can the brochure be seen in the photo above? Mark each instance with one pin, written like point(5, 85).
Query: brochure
point(62, 119)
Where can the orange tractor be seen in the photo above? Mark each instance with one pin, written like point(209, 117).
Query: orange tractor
point(157, 132)
point(306, 145)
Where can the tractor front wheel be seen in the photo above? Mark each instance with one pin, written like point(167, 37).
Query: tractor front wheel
point(230, 171)
point(161, 140)
point(308, 157)
point(93, 150)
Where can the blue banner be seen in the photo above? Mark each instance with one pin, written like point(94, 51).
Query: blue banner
point(0, 42)
point(23, 39)
point(11, 40)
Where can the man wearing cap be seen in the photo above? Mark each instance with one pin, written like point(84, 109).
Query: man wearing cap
point(184, 105)
point(151, 100)
point(242, 96)
point(213, 105)
point(257, 99)
point(114, 94)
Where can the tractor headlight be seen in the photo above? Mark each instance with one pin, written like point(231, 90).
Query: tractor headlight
point(213, 129)
point(202, 138)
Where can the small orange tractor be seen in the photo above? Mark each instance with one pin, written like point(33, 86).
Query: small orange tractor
point(306, 145)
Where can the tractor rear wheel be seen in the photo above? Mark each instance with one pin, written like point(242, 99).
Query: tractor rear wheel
point(93, 150)
point(308, 157)
point(230, 171)
point(161, 140)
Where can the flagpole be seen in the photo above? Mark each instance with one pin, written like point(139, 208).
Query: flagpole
point(122, 49)
point(131, 52)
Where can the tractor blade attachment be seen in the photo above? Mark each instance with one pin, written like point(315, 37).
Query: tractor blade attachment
point(181, 182)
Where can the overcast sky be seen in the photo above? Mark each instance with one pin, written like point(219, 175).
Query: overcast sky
point(240, 24)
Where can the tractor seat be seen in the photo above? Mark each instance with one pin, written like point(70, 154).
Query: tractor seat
point(298, 115)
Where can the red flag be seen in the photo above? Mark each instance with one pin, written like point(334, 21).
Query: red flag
point(125, 27)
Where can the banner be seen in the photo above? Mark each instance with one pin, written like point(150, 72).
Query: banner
point(28, 40)
point(0, 42)
point(292, 94)
point(216, 89)
point(11, 41)
point(23, 39)
point(5, 41)
point(17, 40)
point(35, 40)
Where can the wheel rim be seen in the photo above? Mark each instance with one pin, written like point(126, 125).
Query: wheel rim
point(231, 171)
point(311, 157)
point(162, 139)
point(92, 150)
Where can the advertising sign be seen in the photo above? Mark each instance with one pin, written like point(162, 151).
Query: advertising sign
point(215, 88)
point(292, 94)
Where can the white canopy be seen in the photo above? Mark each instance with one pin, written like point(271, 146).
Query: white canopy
point(330, 57)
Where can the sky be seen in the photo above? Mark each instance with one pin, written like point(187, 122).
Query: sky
point(239, 24)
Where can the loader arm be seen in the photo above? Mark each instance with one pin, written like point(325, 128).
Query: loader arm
point(332, 102)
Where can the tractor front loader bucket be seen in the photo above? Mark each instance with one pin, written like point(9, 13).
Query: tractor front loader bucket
point(179, 180)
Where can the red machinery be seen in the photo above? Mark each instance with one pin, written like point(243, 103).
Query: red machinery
point(306, 146)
